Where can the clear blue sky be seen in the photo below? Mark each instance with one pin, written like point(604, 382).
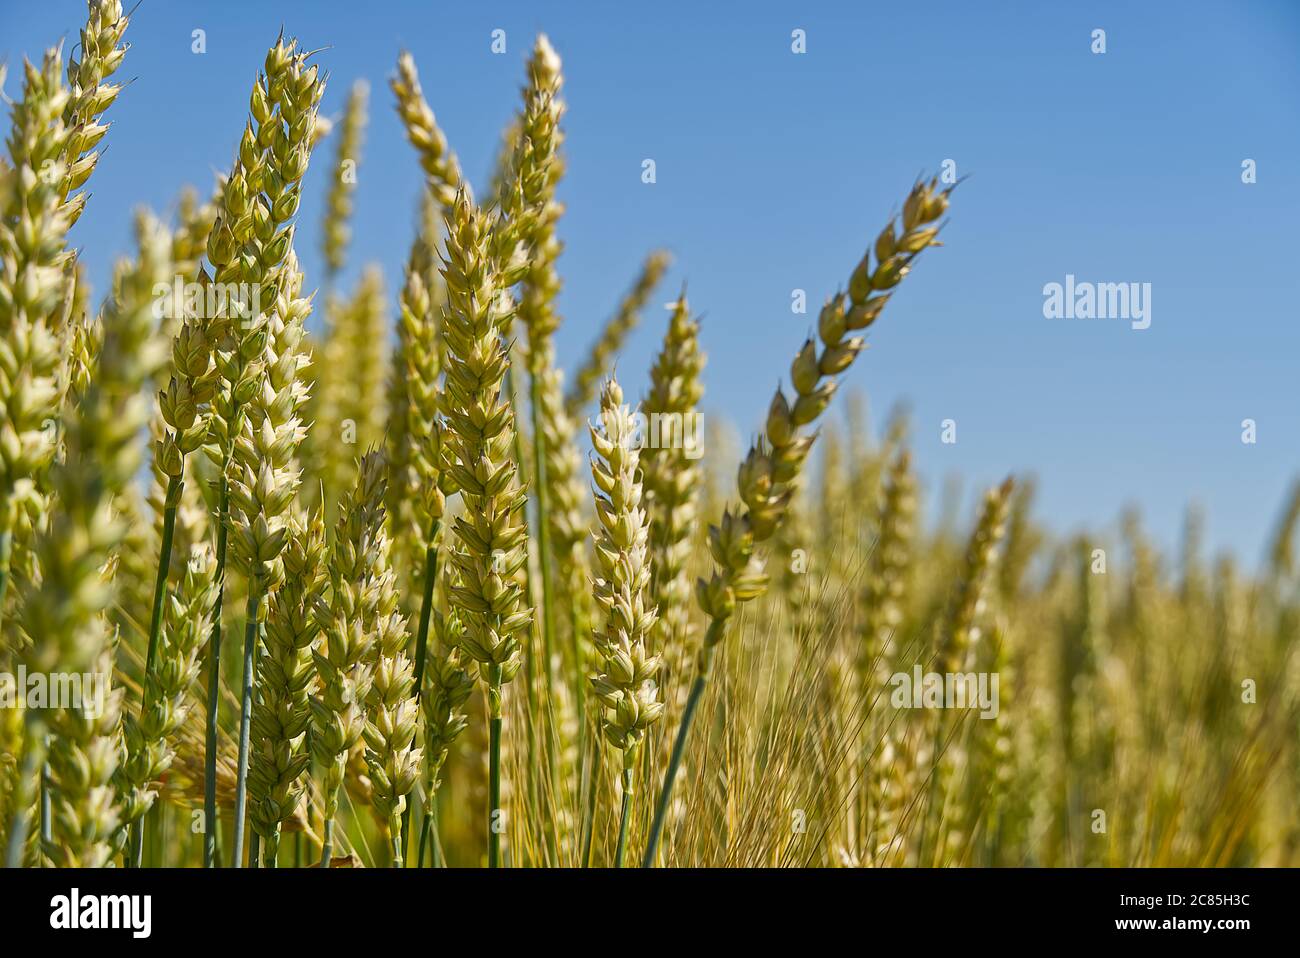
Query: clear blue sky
point(775, 170)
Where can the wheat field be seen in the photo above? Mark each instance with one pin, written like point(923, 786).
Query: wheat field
point(373, 577)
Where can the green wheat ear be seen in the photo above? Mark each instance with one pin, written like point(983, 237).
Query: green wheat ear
point(67, 609)
point(286, 676)
point(491, 534)
point(672, 477)
point(625, 683)
point(392, 753)
point(351, 620)
point(336, 232)
point(768, 476)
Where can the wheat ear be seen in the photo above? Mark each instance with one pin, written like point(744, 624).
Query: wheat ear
point(352, 374)
point(150, 745)
point(345, 661)
point(888, 779)
point(263, 481)
point(490, 536)
point(392, 755)
point(31, 292)
point(885, 591)
point(528, 193)
point(250, 243)
point(672, 477)
point(441, 168)
point(185, 411)
point(962, 629)
point(282, 711)
point(625, 683)
point(417, 498)
point(336, 232)
point(767, 476)
point(447, 687)
point(67, 610)
point(102, 52)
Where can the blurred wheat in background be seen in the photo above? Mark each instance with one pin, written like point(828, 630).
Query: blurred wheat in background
point(460, 645)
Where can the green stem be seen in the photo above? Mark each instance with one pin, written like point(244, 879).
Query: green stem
point(530, 650)
point(251, 623)
point(214, 687)
point(272, 852)
point(135, 855)
point(405, 827)
point(437, 857)
point(23, 799)
point(629, 782)
point(544, 562)
point(421, 657)
point(327, 846)
point(175, 485)
point(426, 607)
point(593, 777)
point(543, 526)
point(692, 702)
point(47, 819)
point(577, 627)
point(425, 825)
point(155, 836)
point(254, 849)
point(396, 849)
point(429, 829)
point(494, 765)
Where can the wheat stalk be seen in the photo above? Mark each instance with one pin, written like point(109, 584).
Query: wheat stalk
point(768, 474)
point(672, 477)
point(251, 243)
point(263, 481)
point(961, 632)
point(889, 783)
point(625, 683)
point(336, 233)
point(417, 500)
point(352, 374)
point(31, 293)
point(185, 413)
point(102, 52)
point(67, 609)
point(1132, 707)
point(535, 170)
point(447, 687)
point(282, 710)
point(491, 535)
point(345, 662)
point(392, 714)
point(441, 168)
point(150, 746)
